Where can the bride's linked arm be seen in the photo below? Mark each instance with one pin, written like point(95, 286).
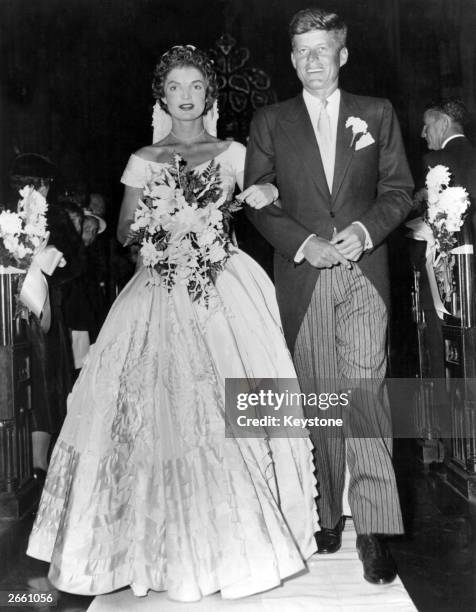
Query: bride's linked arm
point(126, 215)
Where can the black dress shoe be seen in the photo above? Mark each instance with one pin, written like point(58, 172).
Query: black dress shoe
point(379, 566)
point(330, 540)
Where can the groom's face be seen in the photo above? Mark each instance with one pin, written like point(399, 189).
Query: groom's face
point(317, 58)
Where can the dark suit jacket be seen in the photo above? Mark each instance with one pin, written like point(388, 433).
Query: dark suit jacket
point(372, 185)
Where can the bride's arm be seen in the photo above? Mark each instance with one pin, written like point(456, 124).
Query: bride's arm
point(126, 215)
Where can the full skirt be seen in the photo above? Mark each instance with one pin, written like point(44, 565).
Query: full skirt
point(143, 485)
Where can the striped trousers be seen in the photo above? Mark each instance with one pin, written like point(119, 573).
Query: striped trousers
point(343, 338)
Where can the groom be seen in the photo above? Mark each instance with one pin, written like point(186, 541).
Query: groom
point(344, 185)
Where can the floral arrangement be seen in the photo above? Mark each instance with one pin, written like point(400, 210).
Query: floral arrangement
point(23, 233)
point(445, 215)
point(183, 224)
point(446, 208)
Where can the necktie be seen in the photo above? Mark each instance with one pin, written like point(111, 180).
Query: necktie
point(324, 137)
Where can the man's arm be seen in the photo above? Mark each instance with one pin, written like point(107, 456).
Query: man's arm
point(395, 183)
point(282, 231)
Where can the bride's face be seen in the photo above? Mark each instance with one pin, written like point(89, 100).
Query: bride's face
point(185, 93)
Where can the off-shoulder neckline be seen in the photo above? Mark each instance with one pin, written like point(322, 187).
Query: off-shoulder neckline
point(205, 163)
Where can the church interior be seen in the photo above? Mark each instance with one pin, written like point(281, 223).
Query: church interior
point(75, 88)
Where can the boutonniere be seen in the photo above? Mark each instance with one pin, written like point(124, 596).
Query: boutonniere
point(359, 126)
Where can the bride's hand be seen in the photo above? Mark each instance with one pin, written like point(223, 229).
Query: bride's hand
point(130, 237)
point(258, 196)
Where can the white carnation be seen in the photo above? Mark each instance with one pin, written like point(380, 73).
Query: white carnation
point(10, 223)
point(359, 126)
point(436, 178)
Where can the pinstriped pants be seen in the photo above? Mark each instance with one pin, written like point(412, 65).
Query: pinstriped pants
point(343, 337)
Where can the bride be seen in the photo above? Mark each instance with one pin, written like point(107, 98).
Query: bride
point(143, 487)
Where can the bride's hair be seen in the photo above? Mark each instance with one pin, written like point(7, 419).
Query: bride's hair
point(179, 57)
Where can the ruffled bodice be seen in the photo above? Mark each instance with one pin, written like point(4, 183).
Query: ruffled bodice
point(231, 160)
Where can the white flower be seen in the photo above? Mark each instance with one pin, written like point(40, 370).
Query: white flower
point(35, 241)
point(217, 253)
point(26, 191)
point(34, 204)
point(16, 248)
point(206, 238)
point(436, 178)
point(216, 217)
point(446, 207)
point(359, 126)
point(185, 221)
point(10, 223)
point(36, 227)
point(142, 216)
point(24, 232)
point(149, 253)
point(160, 191)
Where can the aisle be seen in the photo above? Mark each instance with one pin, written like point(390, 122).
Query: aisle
point(334, 583)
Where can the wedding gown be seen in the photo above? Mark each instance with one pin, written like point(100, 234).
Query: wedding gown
point(143, 486)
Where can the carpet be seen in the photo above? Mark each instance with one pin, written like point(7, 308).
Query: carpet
point(333, 583)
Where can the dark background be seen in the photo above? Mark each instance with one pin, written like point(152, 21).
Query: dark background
point(75, 85)
point(75, 74)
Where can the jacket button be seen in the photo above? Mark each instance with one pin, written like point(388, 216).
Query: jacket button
point(332, 214)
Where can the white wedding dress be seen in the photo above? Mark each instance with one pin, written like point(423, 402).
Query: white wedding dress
point(143, 486)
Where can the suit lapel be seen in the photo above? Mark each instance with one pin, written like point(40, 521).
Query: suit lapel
point(298, 128)
point(344, 152)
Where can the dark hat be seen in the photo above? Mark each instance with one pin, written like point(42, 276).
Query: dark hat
point(33, 165)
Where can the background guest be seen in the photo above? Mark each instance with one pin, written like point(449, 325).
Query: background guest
point(65, 220)
point(443, 129)
point(31, 169)
point(85, 305)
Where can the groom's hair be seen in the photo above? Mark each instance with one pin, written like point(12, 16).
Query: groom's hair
point(313, 18)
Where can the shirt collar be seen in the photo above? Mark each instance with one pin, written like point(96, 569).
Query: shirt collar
point(313, 102)
point(445, 142)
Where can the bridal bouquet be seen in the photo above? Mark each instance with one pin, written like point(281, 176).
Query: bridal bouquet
point(183, 222)
point(23, 233)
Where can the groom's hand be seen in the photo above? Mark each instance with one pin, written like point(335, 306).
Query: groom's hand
point(350, 242)
point(320, 253)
